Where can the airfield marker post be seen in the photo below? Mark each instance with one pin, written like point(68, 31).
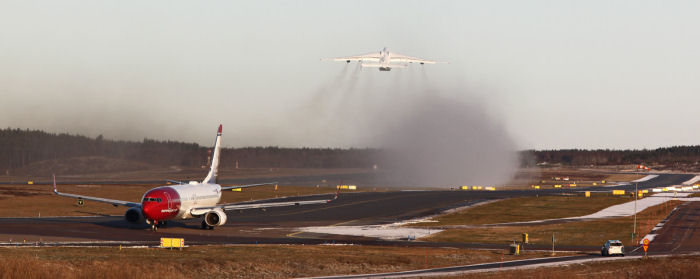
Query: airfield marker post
point(502, 255)
point(426, 258)
point(552, 243)
point(634, 227)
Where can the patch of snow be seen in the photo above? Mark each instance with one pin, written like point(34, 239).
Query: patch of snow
point(388, 232)
point(646, 178)
point(620, 210)
point(627, 209)
point(391, 231)
point(650, 236)
point(692, 180)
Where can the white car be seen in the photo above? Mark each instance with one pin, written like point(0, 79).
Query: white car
point(612, 247)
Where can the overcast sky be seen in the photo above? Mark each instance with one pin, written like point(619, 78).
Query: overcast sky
point(555, 74)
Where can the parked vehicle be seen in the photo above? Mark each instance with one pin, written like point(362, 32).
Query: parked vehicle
point(612, 247)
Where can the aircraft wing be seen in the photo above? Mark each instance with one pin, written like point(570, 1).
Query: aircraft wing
point(102, 200)
point(400, 58)
point(246, 186)
point(241, 206)
point(372, 57)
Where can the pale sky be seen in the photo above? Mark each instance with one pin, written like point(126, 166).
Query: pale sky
point(555, 74)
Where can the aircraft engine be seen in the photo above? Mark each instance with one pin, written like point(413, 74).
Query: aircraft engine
point(216, 217)
point(134, 215)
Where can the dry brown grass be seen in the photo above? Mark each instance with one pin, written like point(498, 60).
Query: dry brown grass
point(579, 233)
point(582, 177)
point(666, 267)
point(240, 261)
point(529, 209)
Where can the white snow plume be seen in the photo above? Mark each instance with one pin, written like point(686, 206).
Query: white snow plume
point(430, 136)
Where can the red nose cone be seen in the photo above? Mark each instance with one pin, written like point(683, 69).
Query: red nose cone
point(161, 204)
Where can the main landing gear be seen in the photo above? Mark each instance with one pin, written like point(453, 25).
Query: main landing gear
point(206, 227)
point(155, 224)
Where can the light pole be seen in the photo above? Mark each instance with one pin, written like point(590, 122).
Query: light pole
point(634, 229)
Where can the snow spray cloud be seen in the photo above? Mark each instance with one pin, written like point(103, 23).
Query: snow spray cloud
point(428, 137)
point(440, 142)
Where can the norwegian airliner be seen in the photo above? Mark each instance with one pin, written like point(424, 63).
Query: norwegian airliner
point(187, 201)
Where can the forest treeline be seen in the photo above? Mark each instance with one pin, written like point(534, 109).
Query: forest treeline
point(18, 148)
point(676, 155)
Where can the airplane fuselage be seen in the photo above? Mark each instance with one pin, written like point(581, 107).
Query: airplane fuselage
point(384, 60)
point(175, 202)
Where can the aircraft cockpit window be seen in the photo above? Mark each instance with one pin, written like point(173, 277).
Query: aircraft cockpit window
point(152, 199)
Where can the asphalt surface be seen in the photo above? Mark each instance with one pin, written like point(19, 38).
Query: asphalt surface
point(681, 233)
point(245, 226)
point(275, 225)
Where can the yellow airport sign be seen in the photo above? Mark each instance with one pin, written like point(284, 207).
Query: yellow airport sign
point(237, 189)
point(588, 194)
point(618, 192)
point(557, 186)
point(30, 182)
point(166, 242)
point(572, 185)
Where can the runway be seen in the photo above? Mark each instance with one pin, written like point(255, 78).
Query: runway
point(681, 233)
point(275, 225)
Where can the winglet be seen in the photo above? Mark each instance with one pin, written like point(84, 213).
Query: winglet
point(54, 184)
point(220, 129)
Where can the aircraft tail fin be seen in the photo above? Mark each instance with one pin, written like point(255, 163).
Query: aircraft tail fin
point(214, 164)
point(55, 190)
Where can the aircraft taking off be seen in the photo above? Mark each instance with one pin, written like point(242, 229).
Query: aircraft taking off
point(384, 60)
point(186, 201)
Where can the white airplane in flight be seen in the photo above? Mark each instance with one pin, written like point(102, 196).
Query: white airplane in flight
point(384, 60)
point(186, 201)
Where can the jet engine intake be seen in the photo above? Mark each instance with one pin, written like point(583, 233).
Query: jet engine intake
point(134, 215)
point(216, 217)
